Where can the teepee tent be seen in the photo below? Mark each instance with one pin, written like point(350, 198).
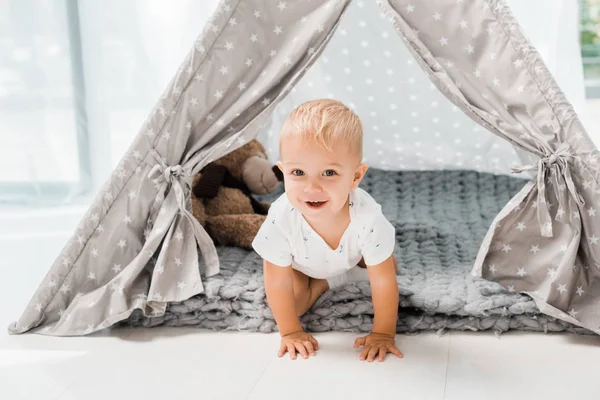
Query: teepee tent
point(139, 248)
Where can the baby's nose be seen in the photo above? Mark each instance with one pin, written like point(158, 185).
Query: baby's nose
point(312, 187)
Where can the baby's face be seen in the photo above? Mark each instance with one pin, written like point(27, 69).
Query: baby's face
point(317, 182)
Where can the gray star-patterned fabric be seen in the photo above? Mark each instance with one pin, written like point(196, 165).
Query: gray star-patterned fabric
point(138, 246)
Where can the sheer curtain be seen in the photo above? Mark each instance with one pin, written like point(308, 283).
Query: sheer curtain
point(78, 78)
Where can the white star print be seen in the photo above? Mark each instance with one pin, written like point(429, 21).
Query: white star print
point(477, 73)
point(591, 212)
point(410, 8)
point(219, 94)
point(534, 249)
point(560, 212)
point(443, 41)
point(580, 290)
point(470, 49)
point(159, 269)
point(91, 276)
point(94, 252)
point(199, 77)
point(511, 288)
point(232, 22)
point(272, 53)
point(127, 219)
point(282, 5)
point(116, 268)
point(521, 226)
point(463, 24)
point(562, 288)
point(254, 38)
point(437, 16)
point(229, 45)
point(593, 239)
point(194, 101)
point(278, 30)
point(178, 261)
point(257, 14)
point(180, 285)
point(521, 272)
point(122, 243)
point(224, 70)
point(506, 248)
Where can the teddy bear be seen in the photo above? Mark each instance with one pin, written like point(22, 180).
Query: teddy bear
point(222, 194)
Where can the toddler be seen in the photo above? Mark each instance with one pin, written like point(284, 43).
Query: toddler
point(325, 231)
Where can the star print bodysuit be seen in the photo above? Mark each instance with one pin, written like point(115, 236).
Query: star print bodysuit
point(285, 238)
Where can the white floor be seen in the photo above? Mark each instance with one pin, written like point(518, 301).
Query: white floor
point(178, 364)
point(185, 363)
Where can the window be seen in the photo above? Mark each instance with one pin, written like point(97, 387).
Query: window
point(42, 125)
point(590, 45)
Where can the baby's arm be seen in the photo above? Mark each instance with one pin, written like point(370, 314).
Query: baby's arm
point(279, 286)
point(385, 296)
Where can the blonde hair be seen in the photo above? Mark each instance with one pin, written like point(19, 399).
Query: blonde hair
point(326, 122)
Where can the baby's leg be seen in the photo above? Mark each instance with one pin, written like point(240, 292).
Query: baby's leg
point(307, 290)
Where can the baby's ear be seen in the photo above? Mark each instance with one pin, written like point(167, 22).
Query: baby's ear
point(359, 174)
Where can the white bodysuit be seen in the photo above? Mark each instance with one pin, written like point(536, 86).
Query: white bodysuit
point(285, 238)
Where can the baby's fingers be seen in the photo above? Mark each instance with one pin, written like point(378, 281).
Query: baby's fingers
point(292, 350)
point(394, 350)
point(314, 342)
point(302, 350)
point(365, 352)
point(309, 346)
point(282, 350)
point(373, 353)
point(382, 353)
point(360, 341)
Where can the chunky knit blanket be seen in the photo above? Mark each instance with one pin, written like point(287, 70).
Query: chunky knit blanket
point(440, 217)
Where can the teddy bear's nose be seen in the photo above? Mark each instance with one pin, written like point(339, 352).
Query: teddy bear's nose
point(277, 173)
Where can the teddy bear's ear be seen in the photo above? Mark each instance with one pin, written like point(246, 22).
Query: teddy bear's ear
point(211, 178)
point(277, 173)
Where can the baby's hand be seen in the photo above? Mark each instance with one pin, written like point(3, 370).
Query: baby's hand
point(377, 343)
point(300, 342)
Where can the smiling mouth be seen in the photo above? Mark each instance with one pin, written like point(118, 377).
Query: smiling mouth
point(315, 204)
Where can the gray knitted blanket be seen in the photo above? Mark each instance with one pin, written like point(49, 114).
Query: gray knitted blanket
point(440, 218)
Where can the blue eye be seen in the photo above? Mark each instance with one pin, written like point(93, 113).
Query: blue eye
point(330, 172)
point(297, 172)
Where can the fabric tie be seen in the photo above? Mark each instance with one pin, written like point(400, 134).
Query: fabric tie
point(180, 179)
point(558, 158)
